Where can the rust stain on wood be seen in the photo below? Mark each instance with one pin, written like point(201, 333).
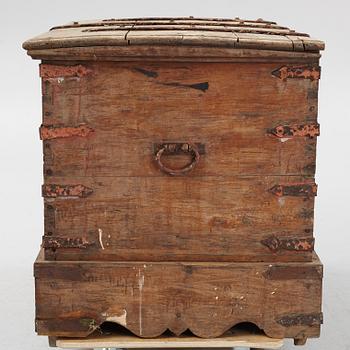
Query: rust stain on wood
point(55, 132)
point(301, 320)
point(299, 130)
point(54, 191)
point(48, 71)
point(296, 190)
point(280, 272)
point(298, 244)
point(60, 242)
point(303, 72)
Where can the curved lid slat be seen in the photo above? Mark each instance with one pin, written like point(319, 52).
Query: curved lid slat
point(181, 31)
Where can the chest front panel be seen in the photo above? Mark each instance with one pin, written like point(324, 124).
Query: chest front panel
point(174, 161)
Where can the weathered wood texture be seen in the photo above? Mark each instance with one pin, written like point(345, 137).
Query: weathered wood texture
point(102, 124)
point(230, 108)
point(147, 298)
point(232, 33)
point(179, 163)
point(167, 218)
point(171, 54)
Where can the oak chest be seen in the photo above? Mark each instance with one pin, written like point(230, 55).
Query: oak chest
point(179, 163)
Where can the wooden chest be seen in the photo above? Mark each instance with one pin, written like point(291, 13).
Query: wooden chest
point(182, 150)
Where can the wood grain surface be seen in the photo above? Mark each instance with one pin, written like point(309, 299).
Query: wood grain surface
point(232, 33)
point(147, 298)
point(101, 122)
point(170, 218)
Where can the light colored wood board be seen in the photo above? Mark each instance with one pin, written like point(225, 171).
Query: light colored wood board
point(311, 44)
point(188, 28)
point(297, 43)
point(167, 37)
point(75, 38)
point(148, 32)
point(238, 338)
point(264, 41)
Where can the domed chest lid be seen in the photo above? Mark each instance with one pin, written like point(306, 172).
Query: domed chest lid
point(174, 32)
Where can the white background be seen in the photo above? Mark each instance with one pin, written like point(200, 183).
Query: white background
point(21, 212)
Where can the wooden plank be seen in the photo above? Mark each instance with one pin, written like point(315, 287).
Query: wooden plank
point(75, 298)
point(173, 37)
point(224, 108)
point(172, 218)
point(173, 21)
point(234, 338)
point(74, 38)
point(108, 154)
point(171, 53)
point(203, 29)
point(263, 41)
point(255, 34)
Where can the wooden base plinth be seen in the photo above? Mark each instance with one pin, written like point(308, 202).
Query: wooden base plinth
point(77, 298)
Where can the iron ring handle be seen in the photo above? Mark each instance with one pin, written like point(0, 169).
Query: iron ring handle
point(182, 171)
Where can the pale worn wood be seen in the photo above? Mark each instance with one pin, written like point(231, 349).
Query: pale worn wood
point(234, 338)
point(244, 34)
point(147, 298)
point(178, 37)
point(264, 41)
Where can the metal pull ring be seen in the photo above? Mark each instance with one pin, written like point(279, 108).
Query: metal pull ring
point(176, 148)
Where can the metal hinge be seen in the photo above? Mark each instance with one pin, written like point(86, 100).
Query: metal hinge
point(296, 190)
point(48, 132)
point(296, 130)
point(301, 72)
point(49, 71)
point(74, 191)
